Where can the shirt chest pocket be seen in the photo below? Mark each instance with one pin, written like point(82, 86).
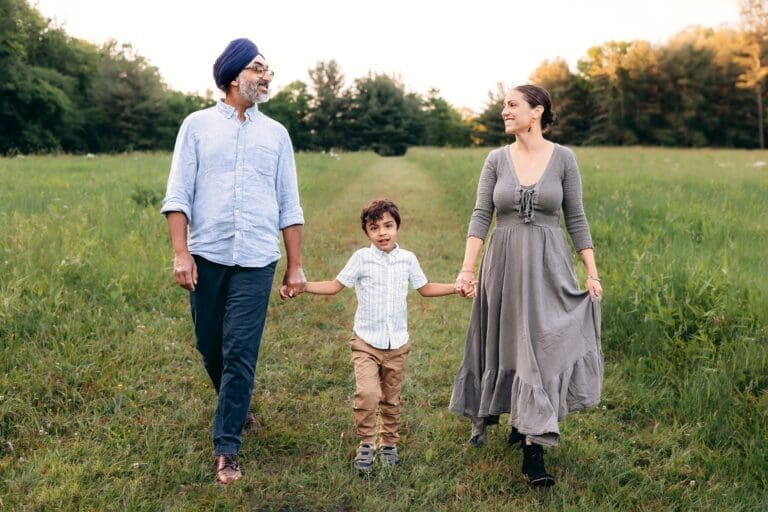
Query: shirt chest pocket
point(261, 161)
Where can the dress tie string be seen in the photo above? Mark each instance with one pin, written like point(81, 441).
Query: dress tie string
point(526, 204)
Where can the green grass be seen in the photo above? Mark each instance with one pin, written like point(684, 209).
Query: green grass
point(104, 403)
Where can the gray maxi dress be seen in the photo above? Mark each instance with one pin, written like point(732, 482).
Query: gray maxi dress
point(533, 344)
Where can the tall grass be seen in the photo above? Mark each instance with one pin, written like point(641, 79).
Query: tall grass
point(103, 401)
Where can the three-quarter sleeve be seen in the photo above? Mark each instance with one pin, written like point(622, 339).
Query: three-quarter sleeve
point(483, 212)
point(573, 206)
point(180, 190)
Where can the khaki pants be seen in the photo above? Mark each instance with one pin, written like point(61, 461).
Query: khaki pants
point(378, 375)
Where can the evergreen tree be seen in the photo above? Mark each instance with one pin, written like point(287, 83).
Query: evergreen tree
point(687, 80)
point(488, 127)
point(605, 70)
point(385, 119)
point(443, 125)
point(328, 107)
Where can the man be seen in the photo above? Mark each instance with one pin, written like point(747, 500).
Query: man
point(232, 187)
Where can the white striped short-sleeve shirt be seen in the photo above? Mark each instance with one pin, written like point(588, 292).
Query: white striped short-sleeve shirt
point(381, 283)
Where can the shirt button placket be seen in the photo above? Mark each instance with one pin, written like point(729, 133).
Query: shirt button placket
point(239, 169)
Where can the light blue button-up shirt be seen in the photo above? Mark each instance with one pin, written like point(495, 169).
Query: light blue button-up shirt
point(236, 183)
point(381, 283)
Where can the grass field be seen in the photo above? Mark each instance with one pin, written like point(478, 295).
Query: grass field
point(105, 405)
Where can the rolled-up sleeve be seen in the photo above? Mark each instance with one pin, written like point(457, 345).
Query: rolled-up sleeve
point(288, 187)
point(180, 190)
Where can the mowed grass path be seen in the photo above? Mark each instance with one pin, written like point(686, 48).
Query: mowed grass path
point(104, 404)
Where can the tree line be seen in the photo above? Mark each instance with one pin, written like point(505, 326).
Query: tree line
point(703, 87)
point(59, 93)
point(374, 113)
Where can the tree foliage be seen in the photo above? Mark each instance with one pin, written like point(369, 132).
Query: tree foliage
point(488, 127)
point(58, 93)
point(752, 57)
point(702, 87)
point(291, 107)
point(443, 124)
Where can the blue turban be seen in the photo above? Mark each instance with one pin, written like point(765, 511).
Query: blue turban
point(232, 60)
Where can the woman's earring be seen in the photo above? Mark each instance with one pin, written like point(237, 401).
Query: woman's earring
point(530, 125)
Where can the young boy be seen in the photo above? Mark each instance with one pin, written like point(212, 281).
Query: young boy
point(380, 275)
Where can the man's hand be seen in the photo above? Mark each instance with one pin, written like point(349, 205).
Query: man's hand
point(185, 270)
point(294, 283)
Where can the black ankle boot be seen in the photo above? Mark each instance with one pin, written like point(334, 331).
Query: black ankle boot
point(515, 437)
point(533, 466)
point(479, 437)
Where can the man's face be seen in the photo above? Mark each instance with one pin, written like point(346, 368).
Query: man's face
point(254, 80)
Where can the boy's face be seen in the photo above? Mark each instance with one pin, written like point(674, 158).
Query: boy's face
point(382, 232)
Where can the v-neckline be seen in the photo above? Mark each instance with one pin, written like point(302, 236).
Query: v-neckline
point(543, 173)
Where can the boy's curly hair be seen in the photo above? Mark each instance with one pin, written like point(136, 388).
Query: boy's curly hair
point(375, 210)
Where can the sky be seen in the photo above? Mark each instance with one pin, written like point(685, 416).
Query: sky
point(463, 49)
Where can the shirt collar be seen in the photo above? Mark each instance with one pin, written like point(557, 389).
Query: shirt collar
point(251, 112)
point(228, 110)
point(381, 253)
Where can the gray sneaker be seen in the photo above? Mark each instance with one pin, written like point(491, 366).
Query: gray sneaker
point(366, 454)
point(388, 456)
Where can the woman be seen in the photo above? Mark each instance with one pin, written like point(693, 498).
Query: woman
point(533, 343)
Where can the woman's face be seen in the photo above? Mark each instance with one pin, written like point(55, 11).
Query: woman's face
point(517, 113)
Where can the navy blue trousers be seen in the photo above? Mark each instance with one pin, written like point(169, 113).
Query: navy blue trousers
point(229, 307)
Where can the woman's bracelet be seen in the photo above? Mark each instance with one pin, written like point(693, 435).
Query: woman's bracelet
point(593, 278)
point(466, 270)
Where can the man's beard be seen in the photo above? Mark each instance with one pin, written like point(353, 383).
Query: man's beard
point(249, 89)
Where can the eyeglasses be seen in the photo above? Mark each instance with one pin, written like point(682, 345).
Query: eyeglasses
point(261, 71)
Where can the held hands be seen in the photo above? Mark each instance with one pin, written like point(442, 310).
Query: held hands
point(466, 284)
point(294, 283)
point(185, 271)
point(594, 288)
